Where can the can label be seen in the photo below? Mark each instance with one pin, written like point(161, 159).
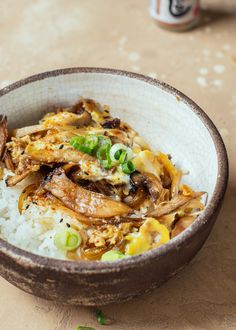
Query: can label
point(175, 12)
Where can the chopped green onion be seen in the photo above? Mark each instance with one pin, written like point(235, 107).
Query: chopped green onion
point(128, 167)
point(112, 255)
point(86, 144)
point(103, 154)
point(101, 317)
point(84, 328)
point(106, 163)
point(84, 148)
point(91, 141)
point(104, 140)
point(120, 153)
point(76, 141)
point(67, 240)
point(117, 154)
point(122, 156)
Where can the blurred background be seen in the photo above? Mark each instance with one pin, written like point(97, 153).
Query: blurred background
point(41, 35)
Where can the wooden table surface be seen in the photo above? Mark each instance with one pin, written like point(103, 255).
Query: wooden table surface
point(41, 35)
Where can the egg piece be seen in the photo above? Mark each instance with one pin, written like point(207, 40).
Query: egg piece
point(146, 161)
point(151, 234)
point(60, 119)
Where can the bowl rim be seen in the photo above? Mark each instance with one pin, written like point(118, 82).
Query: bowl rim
point(29, 259)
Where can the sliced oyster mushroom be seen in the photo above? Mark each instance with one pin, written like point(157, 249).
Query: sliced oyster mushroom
point(81, 200)
point(28, 130)
point(150, 181)
point(8, 161)
point(176, 202)
point(3, 134)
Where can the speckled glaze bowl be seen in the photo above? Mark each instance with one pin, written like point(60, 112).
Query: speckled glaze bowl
point(170, 121)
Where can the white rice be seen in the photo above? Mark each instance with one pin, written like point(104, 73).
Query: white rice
point(34, 229)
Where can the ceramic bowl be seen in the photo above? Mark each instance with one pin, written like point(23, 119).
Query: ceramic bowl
point(169, 121)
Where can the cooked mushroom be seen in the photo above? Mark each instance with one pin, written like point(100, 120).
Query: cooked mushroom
point(27, 191)
point(100, 186)
point(182, 224)
point(28, 130)
point(81, 200)
point(135, 199)
point(1, 172)
point(176, 202)
point(45, 199)
point(13, 180)
point(86, 104)
point(8, 161)
point(151, 182)
point(163, 197)
point(21, 174)
point(3, 134)
point(45, 152)
point(84, 119)
point(118, 136)
point(94, 253)
point(111, 123)
point(174, 173)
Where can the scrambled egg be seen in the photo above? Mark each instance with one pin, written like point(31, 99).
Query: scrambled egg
point(151, 234)
point(146, 161)
point(95, 172)
point(59, 119)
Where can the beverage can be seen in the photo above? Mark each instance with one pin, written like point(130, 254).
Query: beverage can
point(176, 15)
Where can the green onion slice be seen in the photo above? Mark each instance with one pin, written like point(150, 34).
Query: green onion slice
point(121, 156)
point(67, 240)
point(106, 163)
point(101, 317)
point(76, 141)
point(112, 255)
point(91, 141)
point(128, 167)
point(84, 148)
point(103, 154)
point(104, 140)
point(120, 153)
point(86, 144)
